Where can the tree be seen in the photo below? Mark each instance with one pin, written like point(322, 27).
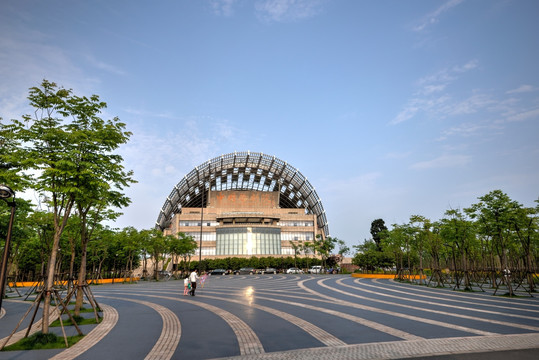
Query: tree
point(100, 172)
point(527, 232)
point(420, 229)
point(324, 247)
point(183, 246)
point(46, 147)
point(396, 241)
point(157, 245)
point(343, 250)
point(369, 258)
point(69, 149)
point(496, 216)
point(377, 227)
point(130, 240)
point(296, 247)
point(459, 235)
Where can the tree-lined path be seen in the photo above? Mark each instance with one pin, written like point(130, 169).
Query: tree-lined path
point(297, 317)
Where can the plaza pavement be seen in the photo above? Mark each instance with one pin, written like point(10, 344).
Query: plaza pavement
point(295, 317)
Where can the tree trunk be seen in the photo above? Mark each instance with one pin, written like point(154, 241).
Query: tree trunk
point(49, 283)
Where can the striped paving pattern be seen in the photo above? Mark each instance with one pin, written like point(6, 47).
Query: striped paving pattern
point(306, 317)
point(110, 318)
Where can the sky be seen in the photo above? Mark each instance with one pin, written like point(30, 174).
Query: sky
point(389, 108)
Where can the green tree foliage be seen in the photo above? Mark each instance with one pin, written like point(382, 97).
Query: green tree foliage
point(67, 152)
point(494, 241)
point(369, 258)
point(182, 246)
point(378, 227)
point(458, 234)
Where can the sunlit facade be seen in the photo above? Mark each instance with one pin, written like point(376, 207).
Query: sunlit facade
point(244, 204)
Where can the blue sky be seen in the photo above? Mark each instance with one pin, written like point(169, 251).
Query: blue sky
point(389, 108)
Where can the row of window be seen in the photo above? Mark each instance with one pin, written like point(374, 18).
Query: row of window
point(284, 251)
point(297, 236)
point(215, 223)
point(206, 236)
point(206, 251)
point(284, 236)
point(194, 223)
point(296, 223)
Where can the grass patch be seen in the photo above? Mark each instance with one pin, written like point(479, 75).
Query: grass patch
point(87, 310)
point(39, 341)
point(508, 295)
point(79, 320)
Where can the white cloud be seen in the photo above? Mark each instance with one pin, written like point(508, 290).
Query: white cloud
point(444, 161)
point(430, 97)
point(466, 129)
point(522, 89)
point(426, 105)
point(524, 115)
point(407, 113)
point(433, 17)
point(470, 105)
point(470, 65)
point(104, 66)
point(287, 10)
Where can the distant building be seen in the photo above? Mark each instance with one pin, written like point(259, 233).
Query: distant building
point(244, 204)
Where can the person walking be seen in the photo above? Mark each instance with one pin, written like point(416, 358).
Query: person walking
point(193, 278)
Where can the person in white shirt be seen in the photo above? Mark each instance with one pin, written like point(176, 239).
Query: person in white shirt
point(193, 278)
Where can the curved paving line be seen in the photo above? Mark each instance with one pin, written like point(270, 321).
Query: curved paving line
point(248, 341)
point(455, 294)
point(315, 331)
point(356, 319)
point(2, 312)
point(110, 318)
point(320, 334)
point(392, 313)
point(168, 341)
point(406, 349)
point(462, 316)
point(437, 298)
point(367, 323)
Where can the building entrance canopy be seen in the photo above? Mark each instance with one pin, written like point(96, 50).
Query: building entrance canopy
point(244, 171)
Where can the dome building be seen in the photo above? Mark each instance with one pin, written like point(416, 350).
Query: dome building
point(244, 204)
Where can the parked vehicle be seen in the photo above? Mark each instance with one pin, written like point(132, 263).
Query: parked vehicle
point(268, 271)
point(218, 272)
point(294, 270)
point(317, 269)
point(245, 271)
point(165, 274)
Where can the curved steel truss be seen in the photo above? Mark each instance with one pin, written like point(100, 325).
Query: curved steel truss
point(244, 171)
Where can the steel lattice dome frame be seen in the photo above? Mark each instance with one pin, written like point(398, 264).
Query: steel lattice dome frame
point(244, 171)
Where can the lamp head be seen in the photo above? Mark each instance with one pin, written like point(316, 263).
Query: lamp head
point(6, 192)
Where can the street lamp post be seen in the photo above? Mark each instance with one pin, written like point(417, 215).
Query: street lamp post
point(6, 193)
point(201, 221)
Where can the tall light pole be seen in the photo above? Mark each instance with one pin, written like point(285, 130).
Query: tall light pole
point(6, 193)
point(201, 221)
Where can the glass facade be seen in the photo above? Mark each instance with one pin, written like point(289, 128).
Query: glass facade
point(248, 241)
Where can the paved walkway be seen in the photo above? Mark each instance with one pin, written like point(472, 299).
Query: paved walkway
point(296, 317)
